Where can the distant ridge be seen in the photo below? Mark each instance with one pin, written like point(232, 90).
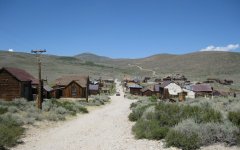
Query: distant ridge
point(198, 65)
point(91, 57)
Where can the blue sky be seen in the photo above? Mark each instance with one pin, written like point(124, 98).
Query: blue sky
point(120, 28)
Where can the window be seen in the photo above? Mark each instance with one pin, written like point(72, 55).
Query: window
point(74, 90)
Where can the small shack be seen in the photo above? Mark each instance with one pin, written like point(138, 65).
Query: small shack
point(135, 89)
point(72, 87)
point(174, 90)
point(16, 83)
point(94, 89)
point(204, 90)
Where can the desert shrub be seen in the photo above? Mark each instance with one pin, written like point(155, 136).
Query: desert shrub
point(149, 129)
point(12, 109)
point(137, 112)
point(181, 140)
point(3, 110)
point(10, 131)
point(209, 133)
point(153, 98)
point(234, 117)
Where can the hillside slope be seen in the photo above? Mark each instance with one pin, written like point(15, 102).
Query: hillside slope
point(199, 65)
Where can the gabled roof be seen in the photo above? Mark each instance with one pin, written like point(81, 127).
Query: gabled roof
point(165, 83)
point(173, 89)
point(47, 88)
point(201, 88)
point(148, 88)
point(66, 80)
point(20, 74)
point(93, 87)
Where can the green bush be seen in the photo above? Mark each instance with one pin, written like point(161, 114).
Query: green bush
point(209, 133)
point(234, 117)
point(149, 129)
point(137, 112)
point(153, 98)
point(10, 131)
point(185, 141)
point(3, 110)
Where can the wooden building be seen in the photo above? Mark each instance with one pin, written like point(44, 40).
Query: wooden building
point(94, 89)
point(147, 91)
point(135, 89)
point(72, 87)
point(16, 83)
point(202, 90)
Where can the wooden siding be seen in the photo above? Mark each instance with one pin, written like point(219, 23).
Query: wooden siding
point(80, 92)
point(135, 91)
point(11, 88)
point(148, 93)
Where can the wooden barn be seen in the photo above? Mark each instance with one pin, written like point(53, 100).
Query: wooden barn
point(16, 83)
point(72, 87)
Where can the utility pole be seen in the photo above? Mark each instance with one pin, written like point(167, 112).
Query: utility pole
point(40, 84)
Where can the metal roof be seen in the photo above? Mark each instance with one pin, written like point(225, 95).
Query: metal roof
point(20, 74)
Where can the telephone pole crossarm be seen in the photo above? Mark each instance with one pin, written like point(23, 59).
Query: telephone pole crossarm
point(40, 84)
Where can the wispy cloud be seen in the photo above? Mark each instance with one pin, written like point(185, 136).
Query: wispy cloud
point(229, 47)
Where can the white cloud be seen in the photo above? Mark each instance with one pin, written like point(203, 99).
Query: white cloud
point(10, 50)
point(229, 47)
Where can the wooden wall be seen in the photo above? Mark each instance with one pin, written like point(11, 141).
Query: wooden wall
point(135, 91)
point(11, 88)
point(80, 91)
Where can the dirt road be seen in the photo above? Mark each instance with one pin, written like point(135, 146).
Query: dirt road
point(106, 128)
point(142, 69)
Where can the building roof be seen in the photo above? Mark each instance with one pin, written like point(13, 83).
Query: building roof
point(47, 88)
point(135, 86)
point(20, 74)
point(201, 88)
point(173, 89)
point(150, 88)
point(165, 83)
point(64, 81)
point(93, 87)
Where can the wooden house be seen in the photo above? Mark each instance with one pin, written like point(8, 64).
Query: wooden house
point(94, 89)
point(16, 83)
point(148, 91)
point(151, 90)
point(202, 90)
point(72, 87)
point(135, 89)
point(162, 91)
point(174, 90)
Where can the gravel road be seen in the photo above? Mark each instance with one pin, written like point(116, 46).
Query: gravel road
point(106, 128)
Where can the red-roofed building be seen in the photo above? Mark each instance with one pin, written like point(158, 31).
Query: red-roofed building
point(16, 83)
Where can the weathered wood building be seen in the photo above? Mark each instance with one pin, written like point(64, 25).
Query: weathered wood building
point(94, 89)
point(72, 87)
point(16, 83)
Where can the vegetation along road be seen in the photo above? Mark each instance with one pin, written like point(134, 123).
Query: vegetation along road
point(105, 128)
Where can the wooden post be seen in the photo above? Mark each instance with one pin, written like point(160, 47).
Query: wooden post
point(40, 84)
